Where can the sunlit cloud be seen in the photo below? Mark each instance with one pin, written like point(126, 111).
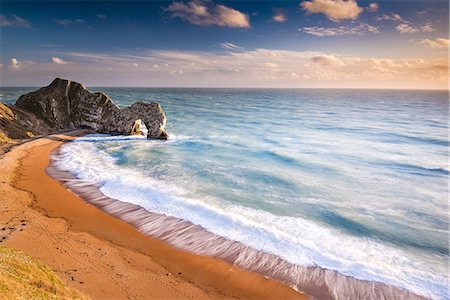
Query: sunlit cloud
point(279, 16)
point(359, 28)
point(335, 10)
point(327, 60)
point(436, 43)
point(205, 14)
point(59, 61)
point(373, 7)
point(14, 63)
point(13, 21)
point(253, 68)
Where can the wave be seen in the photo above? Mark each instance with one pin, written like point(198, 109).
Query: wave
point(316, 281)
point(299, 252)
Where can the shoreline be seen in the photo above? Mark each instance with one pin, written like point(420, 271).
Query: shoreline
point(103, 256)
point(313, 280)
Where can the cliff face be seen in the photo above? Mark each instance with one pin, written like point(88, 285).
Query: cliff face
point(65, 104)
point(18, 124)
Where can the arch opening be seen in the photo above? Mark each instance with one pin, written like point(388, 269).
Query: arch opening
point(139, 128)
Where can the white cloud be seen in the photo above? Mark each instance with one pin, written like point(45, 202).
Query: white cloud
point(58, 61)
point(101, 16)
point(65, 22)
point(230, 46)
point(392, 17)
point(335, 10)
point(408, 28)
point(13, 21)
point(373, 7)
point(436, 43)
point(360, 29)
point(205, 14)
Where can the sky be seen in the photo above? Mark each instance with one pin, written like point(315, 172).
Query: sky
point(281, 44)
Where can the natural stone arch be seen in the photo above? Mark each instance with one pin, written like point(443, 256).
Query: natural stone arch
point(151, 114)
point(66, 104)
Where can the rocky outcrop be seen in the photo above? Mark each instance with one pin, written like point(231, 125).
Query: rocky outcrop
point(65, 104)
point(18, 124)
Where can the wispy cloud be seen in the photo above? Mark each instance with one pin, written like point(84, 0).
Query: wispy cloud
point(408, 28)
point(359, 29)
point(230, 46)
point(391, 17)
point(436, 43)
point(65, 22)
point(14, 21)
point(258, 67)
point(205, 14)
point(335, 10)
point(101, 16)
point(405, 26)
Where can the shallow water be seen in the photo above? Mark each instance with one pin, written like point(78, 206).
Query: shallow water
point(354, 181)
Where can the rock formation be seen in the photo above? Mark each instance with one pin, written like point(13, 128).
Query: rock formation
point(65, 104)
point(18, 124)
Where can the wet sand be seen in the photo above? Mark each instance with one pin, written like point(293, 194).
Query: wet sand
point(100, 255)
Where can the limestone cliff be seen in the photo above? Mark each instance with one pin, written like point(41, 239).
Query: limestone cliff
point(18, 124)
point(65, 104)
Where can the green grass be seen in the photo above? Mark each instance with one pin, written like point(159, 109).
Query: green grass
point(23, 277)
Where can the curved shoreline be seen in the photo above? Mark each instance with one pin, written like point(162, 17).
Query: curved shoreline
point(103, 256)
point(316, 281)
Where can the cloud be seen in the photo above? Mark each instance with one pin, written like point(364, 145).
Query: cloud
point(101, 16)
point(327, 60)
point(373, 7)
point(408, 28)
point(205, 14)
point(436, 43)
point(65, 22)
point(230, 46)
point(359, 29)
point(249, 68)
point(335, 10)
point(59, 61)
point(391, 17)
point(13, 21)
point(279, 16)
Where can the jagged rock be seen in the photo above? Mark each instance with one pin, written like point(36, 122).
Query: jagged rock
point(65, 104)
point(18, 124)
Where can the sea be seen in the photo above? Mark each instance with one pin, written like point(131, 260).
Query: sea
point(352, 183)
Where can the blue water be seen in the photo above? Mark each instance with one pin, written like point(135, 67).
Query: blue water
point(349, 180)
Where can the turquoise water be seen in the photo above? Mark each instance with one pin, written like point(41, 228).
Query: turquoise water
point(354, 181)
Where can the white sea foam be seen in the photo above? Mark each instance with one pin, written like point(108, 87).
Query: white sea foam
point(295, 239)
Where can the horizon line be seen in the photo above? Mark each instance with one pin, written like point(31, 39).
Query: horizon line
point(253, 88)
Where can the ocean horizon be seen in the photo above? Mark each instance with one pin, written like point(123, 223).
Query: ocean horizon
point(352, 181)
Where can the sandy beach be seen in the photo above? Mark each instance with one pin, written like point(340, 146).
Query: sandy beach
point(101, 256)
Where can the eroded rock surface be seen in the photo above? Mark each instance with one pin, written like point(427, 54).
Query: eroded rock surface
point(65, 104)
